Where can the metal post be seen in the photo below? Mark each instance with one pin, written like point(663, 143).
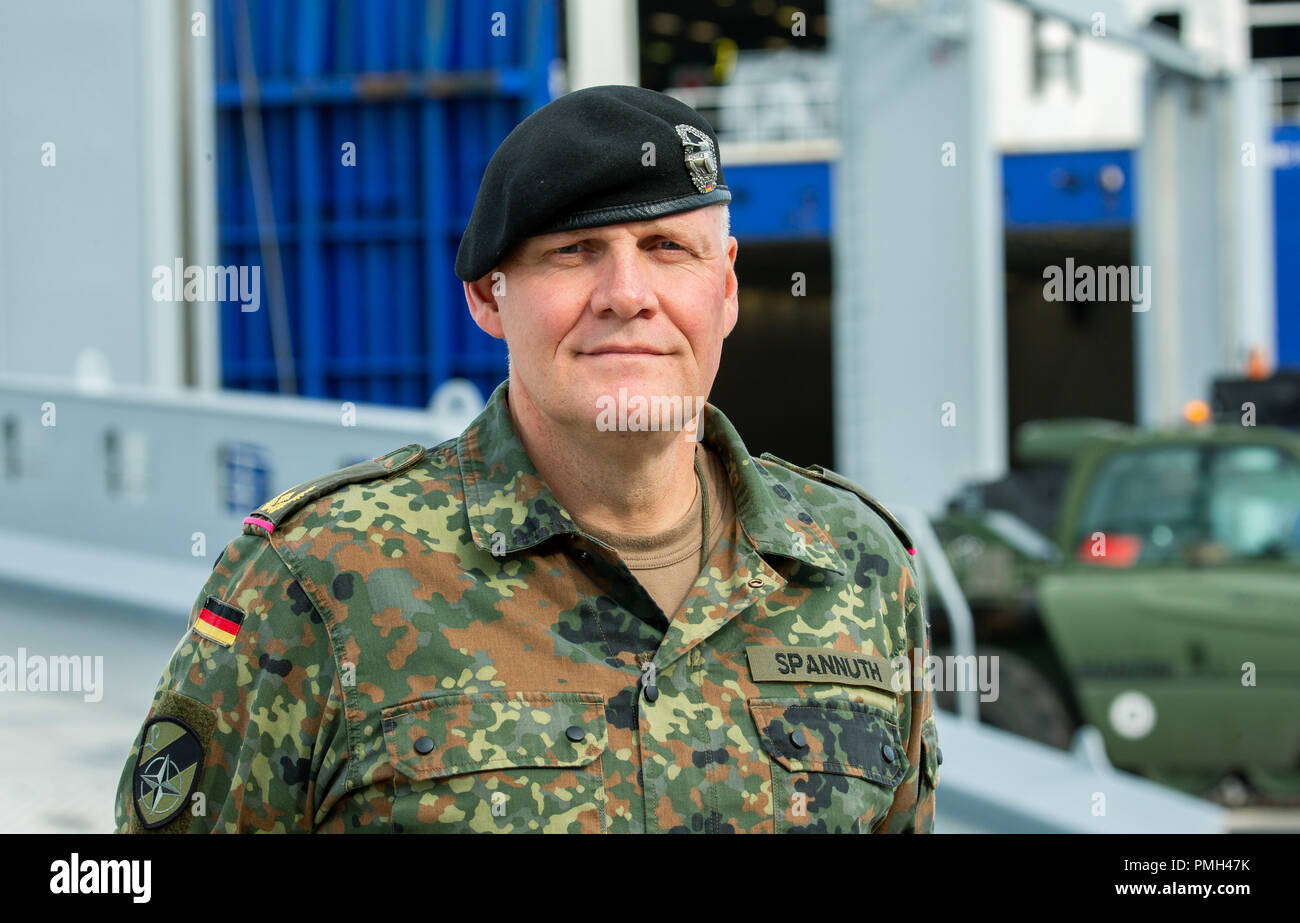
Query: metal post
point(602, 43)
point(1204, 229)
point(918, 307)
point(937, 576)
point(201, 194)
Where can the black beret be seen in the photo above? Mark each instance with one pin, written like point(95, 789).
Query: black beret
point(580, 162)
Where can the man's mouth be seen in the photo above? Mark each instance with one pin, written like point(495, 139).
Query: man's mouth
point(624, 350)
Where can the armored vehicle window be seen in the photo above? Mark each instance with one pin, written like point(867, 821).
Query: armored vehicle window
point(1193, 504)
point(1154, 498)
point(1254, 508)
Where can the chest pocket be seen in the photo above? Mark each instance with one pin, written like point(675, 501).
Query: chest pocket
point(835, 763)
point(499, 762)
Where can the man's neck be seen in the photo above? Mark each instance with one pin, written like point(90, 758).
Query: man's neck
point(635, 482)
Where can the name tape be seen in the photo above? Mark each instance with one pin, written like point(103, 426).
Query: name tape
point(773, 663)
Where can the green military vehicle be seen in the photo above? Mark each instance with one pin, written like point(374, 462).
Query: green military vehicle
point(1147, 584)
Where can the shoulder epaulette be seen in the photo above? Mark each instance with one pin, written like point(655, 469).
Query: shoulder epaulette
point(271, 514)
point(817, 472)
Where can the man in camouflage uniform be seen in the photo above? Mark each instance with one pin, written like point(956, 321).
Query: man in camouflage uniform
point(563, 619)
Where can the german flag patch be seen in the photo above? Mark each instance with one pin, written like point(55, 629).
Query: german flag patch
point(219, 622)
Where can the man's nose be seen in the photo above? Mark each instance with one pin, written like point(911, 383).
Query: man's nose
point(622, 285)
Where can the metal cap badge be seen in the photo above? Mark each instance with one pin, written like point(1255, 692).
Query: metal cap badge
point(701, 161)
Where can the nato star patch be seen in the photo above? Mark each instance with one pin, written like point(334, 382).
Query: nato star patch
point(166, 771)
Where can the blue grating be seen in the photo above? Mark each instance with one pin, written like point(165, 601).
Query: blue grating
point(426, 92)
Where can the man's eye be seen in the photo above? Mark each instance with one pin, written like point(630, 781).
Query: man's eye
point(673, 244)
point(568, 248)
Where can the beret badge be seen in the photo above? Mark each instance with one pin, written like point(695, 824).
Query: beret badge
point(701, 161)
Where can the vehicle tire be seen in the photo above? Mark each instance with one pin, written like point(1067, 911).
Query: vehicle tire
point(1231, 791)
point(1026, 704)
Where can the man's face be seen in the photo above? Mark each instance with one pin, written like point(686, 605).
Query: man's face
point(643, 306)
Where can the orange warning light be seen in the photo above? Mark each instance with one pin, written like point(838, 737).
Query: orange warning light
point(1257, 366)
point(1197, 413)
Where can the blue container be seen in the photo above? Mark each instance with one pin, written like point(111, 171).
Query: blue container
point(424, 91)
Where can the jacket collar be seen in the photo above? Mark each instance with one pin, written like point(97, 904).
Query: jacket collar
point(510, 508)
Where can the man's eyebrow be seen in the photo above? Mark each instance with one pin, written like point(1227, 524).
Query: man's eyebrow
point(676, 228)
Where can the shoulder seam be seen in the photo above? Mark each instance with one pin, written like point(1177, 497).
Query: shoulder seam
point(826, 476)
point(274, 512)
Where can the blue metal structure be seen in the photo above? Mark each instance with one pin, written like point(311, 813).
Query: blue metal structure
point(1286, 217)
point(425, 90)
point(1059, 189)
point(1076, 189)
point(780, 201)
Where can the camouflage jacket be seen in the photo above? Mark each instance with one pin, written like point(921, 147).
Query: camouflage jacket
point(427, 642)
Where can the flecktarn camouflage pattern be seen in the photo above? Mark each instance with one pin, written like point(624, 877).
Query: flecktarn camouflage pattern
point(428, 643)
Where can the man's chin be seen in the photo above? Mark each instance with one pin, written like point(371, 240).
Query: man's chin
point(638, 408)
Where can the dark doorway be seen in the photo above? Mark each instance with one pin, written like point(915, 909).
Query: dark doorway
point(1066, 358)
point(774, 383)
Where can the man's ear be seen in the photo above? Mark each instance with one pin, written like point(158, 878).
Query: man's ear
point(483, 304)
point(731, 298)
